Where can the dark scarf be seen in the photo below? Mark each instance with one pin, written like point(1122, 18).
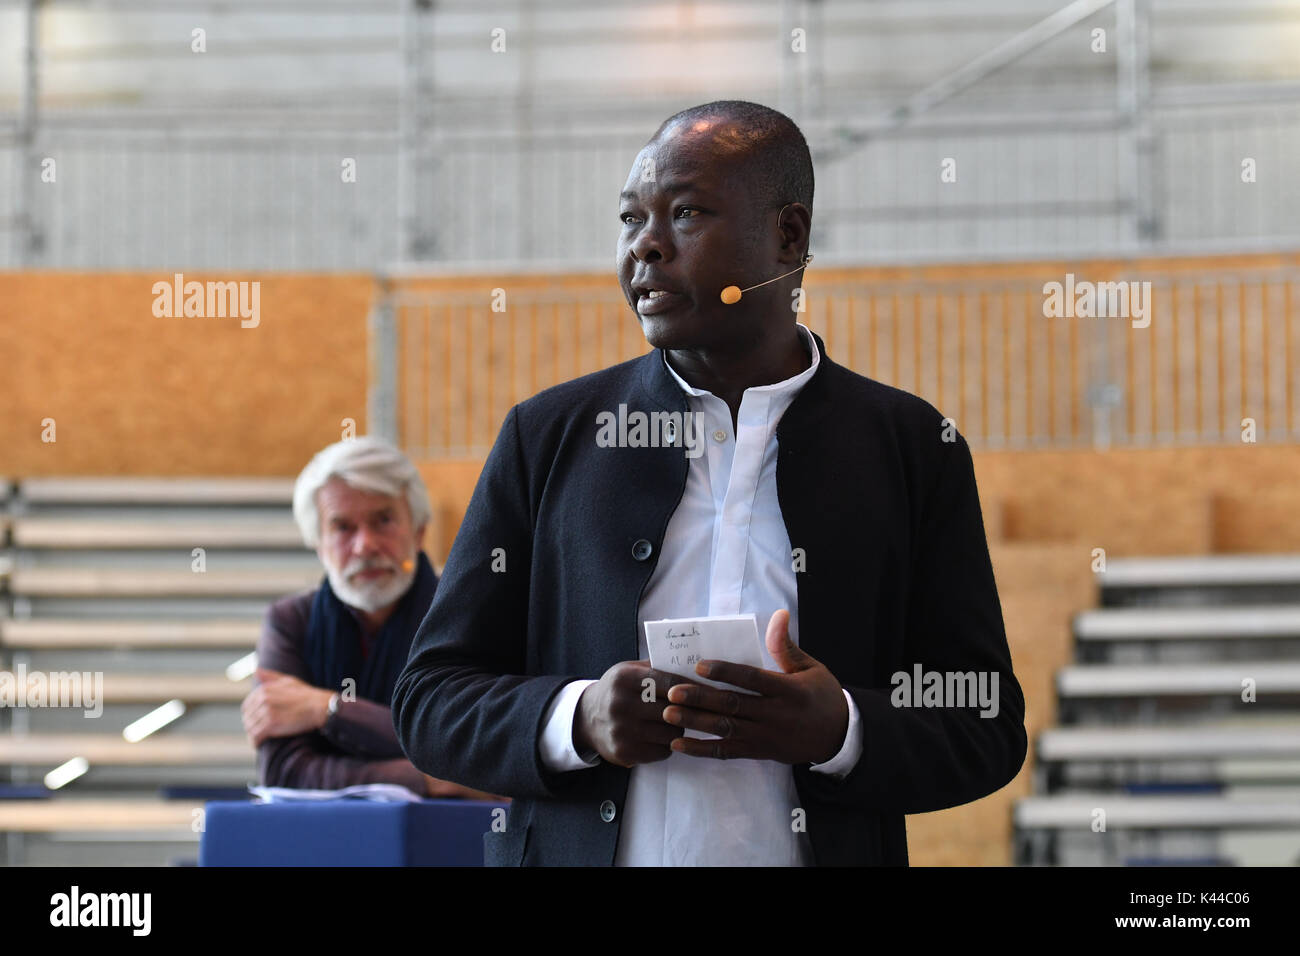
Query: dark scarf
point(333, 645)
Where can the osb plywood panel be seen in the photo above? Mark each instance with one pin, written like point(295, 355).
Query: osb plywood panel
point(1148, 501)
point(1041, 587)
point(451, 485)
point(1249, 515)
point(132, 393)
point(1177, 521)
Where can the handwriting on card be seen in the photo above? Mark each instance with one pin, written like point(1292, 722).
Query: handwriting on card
point(677, 645)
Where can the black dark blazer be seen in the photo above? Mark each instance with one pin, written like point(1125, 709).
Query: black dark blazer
point(897, 572)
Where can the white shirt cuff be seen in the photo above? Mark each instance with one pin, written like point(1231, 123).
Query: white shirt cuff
point(847, 758)
point(556, 743)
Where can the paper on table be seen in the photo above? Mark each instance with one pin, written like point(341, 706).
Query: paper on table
point(375, 792)
point(678, 644)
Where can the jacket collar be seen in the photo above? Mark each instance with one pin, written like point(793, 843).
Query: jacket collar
point(658, 382)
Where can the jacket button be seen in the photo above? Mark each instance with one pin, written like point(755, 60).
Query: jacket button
point(607, 811)
point(641, 550)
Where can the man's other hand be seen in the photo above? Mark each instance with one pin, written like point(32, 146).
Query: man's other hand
point(281, 705)
point(621, 715)
point(800, 716)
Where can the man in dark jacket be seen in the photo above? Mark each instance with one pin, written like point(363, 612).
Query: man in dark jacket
point(736, 469)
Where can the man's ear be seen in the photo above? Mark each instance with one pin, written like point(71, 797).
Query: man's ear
point(419, 536)
point(796, 226)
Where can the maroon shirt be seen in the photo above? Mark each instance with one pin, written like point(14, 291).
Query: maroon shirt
point(356, 745)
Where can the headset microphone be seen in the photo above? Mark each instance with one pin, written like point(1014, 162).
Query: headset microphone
point(731, 294)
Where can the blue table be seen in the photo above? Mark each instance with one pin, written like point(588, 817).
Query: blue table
point(345, 833)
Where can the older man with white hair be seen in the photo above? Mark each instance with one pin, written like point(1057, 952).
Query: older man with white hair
point(328, 658)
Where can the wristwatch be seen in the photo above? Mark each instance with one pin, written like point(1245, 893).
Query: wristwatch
point(332, 707)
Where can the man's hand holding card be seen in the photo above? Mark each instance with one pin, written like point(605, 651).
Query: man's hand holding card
point(796, 716)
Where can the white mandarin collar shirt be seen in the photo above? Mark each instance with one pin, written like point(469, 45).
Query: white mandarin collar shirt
point(726, 551)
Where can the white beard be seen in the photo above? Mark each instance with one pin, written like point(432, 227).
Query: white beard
point(370, 597)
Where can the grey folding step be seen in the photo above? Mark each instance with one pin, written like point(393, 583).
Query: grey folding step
point(1201, 571)
point(1187, 624)
point(1157, 693)
point(174, 818)
point(225, 491)
point(119, 688)
point(1201, 580)
point(160, 749)
point(157, 582)
point(1079, 812)
point(73, 633)
point(158, 532)
point(1089, 681)
point(1168, 743)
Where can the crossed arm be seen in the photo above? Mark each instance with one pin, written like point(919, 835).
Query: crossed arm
point(299, 744)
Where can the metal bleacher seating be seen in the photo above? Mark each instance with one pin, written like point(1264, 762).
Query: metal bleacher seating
point(1119, 635)
point(158, 585)
point(1180, 741)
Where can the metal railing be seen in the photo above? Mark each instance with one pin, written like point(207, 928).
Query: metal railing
point(408, 171)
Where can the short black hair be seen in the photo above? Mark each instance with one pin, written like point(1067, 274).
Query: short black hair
point(776, 148)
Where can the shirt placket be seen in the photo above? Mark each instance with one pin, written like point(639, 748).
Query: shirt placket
point(736, 513)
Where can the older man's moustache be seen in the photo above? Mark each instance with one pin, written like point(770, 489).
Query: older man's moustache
point(407, 566)
point(358, 569)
